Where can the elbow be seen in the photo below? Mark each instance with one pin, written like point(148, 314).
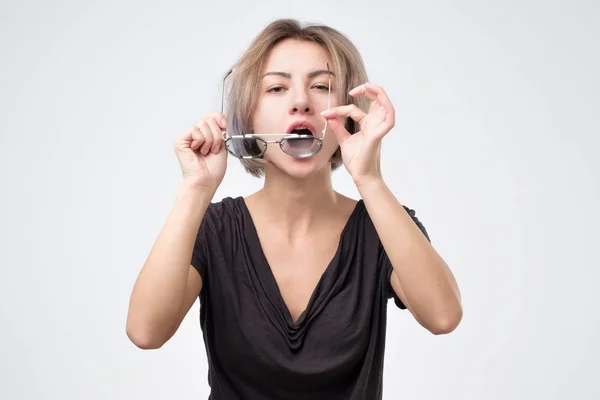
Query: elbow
point(143, 339)
point(448, 323)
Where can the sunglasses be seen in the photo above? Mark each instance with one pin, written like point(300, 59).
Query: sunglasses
point(250, 146)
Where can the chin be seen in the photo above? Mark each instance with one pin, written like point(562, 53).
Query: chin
point(300, 168)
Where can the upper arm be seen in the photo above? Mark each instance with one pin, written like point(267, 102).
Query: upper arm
point(192, 290)
point(397, 288)
point(197, 272)
point(394, 281)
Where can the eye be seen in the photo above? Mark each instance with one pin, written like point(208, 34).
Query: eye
point(276, 89)
point(322, 87)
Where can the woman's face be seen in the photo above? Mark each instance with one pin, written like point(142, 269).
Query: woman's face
point(294, 89)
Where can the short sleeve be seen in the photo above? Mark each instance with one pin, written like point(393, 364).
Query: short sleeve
point(200, 252)
point(388, 265)
point(208, 247)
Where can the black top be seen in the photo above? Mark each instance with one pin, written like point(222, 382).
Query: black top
point(255, 351)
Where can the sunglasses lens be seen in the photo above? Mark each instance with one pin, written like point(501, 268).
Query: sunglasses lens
point(246, 147)
point(301, 146)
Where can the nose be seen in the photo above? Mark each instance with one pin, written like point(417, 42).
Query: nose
point(300, 103)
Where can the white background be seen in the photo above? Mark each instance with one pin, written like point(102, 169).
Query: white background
point(495, 147)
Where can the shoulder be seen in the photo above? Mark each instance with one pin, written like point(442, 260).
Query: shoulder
point(365, 218)
point(226, 204)
point(223, 211)
point(221, 219)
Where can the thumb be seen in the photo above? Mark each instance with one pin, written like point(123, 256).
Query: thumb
point(338, 130)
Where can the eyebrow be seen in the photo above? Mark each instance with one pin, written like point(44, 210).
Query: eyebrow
point(310, 75)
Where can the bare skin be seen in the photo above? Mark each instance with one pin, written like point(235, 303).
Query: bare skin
point(299, 258)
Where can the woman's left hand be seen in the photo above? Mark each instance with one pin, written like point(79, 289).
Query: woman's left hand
point(360, 151)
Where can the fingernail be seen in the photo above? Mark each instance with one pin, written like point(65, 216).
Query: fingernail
point(326, 113)
point(224, 123)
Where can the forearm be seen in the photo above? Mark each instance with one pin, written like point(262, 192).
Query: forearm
point(429, 287)
point(159, 291)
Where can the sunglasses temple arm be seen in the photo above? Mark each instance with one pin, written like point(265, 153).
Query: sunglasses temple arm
point(328, 103)
point(223, 90)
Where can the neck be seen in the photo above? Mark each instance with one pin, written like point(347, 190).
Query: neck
point(297, 205)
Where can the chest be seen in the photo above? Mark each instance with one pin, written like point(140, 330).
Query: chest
point(291, 325)
point(312, 310)
point(298, 269)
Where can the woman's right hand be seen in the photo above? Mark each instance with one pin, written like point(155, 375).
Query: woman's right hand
point(201, 152)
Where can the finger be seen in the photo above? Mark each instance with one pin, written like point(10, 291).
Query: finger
point(208, 137)
point(338, 129)
point(197, 138)
point(184, 140)
point(216, 134)
point(220, 119)
point(351, 111)
point(373, 92)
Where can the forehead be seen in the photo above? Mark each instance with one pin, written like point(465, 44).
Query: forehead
point(296, 56)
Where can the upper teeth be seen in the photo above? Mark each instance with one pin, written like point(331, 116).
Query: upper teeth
point(301, 127)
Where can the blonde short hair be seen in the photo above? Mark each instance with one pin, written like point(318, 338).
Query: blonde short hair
point(244, 80)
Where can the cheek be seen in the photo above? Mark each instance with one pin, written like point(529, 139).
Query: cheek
point(257, 119)
point(267, 117)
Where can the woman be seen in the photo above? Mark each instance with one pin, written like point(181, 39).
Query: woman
point(293, 280)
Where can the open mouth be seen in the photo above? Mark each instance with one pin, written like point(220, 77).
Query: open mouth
point(302, 131)
point(304, 143)
point(301, 128)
